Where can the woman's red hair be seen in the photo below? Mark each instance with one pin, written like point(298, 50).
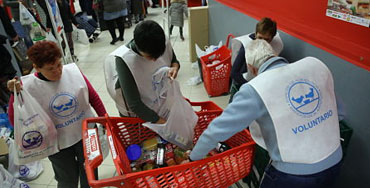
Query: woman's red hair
point(44, 52)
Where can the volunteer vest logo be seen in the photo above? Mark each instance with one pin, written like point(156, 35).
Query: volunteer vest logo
point(31, 139)
point(23, 170)
point(304, 98)
point(23, 185)
point(63, 105)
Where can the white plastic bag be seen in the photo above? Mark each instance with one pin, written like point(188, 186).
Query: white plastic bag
point(207, 49)
point(8, 181)
point(25, 17)
point(80, 35)
point(34, 132)
point(180, 116)
point(26, 172)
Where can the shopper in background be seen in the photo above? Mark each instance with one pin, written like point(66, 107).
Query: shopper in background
point(114, 13)
point(67, 97)
point(67, 19)
point(177, 10)
point(266, 29)
point(140, 59)
point(6, 67)
point(301, 136)
point(138, 10)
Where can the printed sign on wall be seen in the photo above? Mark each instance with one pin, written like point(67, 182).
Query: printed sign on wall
point(353, 11)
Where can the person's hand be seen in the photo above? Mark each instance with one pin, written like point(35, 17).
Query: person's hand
point(15, 82)
point(161, 121)
point(172, 73)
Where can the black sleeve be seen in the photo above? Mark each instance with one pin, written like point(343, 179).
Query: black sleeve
point(131, 93)
point(7, 24)
point(239, 67)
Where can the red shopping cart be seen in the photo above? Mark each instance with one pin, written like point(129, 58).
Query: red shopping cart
point(221, 170)
point(216, 68)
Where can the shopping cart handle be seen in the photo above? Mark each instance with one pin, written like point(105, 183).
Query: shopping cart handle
point(91, 146)
point(228, 39)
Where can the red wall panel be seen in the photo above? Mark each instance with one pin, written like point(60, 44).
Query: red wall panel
point(307, 21)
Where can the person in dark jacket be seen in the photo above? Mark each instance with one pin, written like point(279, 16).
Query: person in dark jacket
point(138, 10)
point(114, 13)
point(67, 19)
point(6, 67)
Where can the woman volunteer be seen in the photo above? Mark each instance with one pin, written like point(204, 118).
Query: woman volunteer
point(67, 97)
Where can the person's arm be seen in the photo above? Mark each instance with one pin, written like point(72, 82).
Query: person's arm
point(7, 24)
point(11, 110)
point(131, 93)
point(246, 107)
point(175, 66)
point(185, 7)
point(239, 67)
point(94, 99)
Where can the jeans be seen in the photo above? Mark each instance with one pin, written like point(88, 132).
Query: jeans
point(275, 179)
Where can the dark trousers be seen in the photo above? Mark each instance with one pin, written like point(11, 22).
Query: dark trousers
point(68, 166)
point(111, 24)
point(180, 28)
point(276, 179)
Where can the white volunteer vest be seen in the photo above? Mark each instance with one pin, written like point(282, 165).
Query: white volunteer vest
point(111, 78)
point(142, 71)
point(301, 102)
point(276, 44)
point(66, 102)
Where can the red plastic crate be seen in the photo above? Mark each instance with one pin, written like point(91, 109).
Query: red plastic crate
point(221, 170)
point(216, 77)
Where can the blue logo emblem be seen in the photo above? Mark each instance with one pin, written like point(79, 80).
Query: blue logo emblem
point(23, 185)
point(304, 98)
point(63, 105)
point(23, 170)
point(31, 139)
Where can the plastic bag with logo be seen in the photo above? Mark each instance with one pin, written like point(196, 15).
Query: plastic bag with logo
point(8, 181)
point(180, 116)
point(34, 132)
point(26, 172)
point(25, 16)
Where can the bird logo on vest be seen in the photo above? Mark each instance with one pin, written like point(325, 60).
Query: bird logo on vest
point(63, 105)
point(304, 98)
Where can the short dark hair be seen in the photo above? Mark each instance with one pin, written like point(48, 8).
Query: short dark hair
point(266, 25)
point(44, 52)
point(150, 38)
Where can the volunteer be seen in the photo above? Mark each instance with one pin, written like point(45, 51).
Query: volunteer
point(291, 111)
point(266, 29)
point(133, 88)
point(67, 97)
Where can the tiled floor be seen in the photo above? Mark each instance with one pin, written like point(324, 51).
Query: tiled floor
point(91, 58)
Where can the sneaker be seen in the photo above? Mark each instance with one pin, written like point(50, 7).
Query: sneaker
point(120, 38)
